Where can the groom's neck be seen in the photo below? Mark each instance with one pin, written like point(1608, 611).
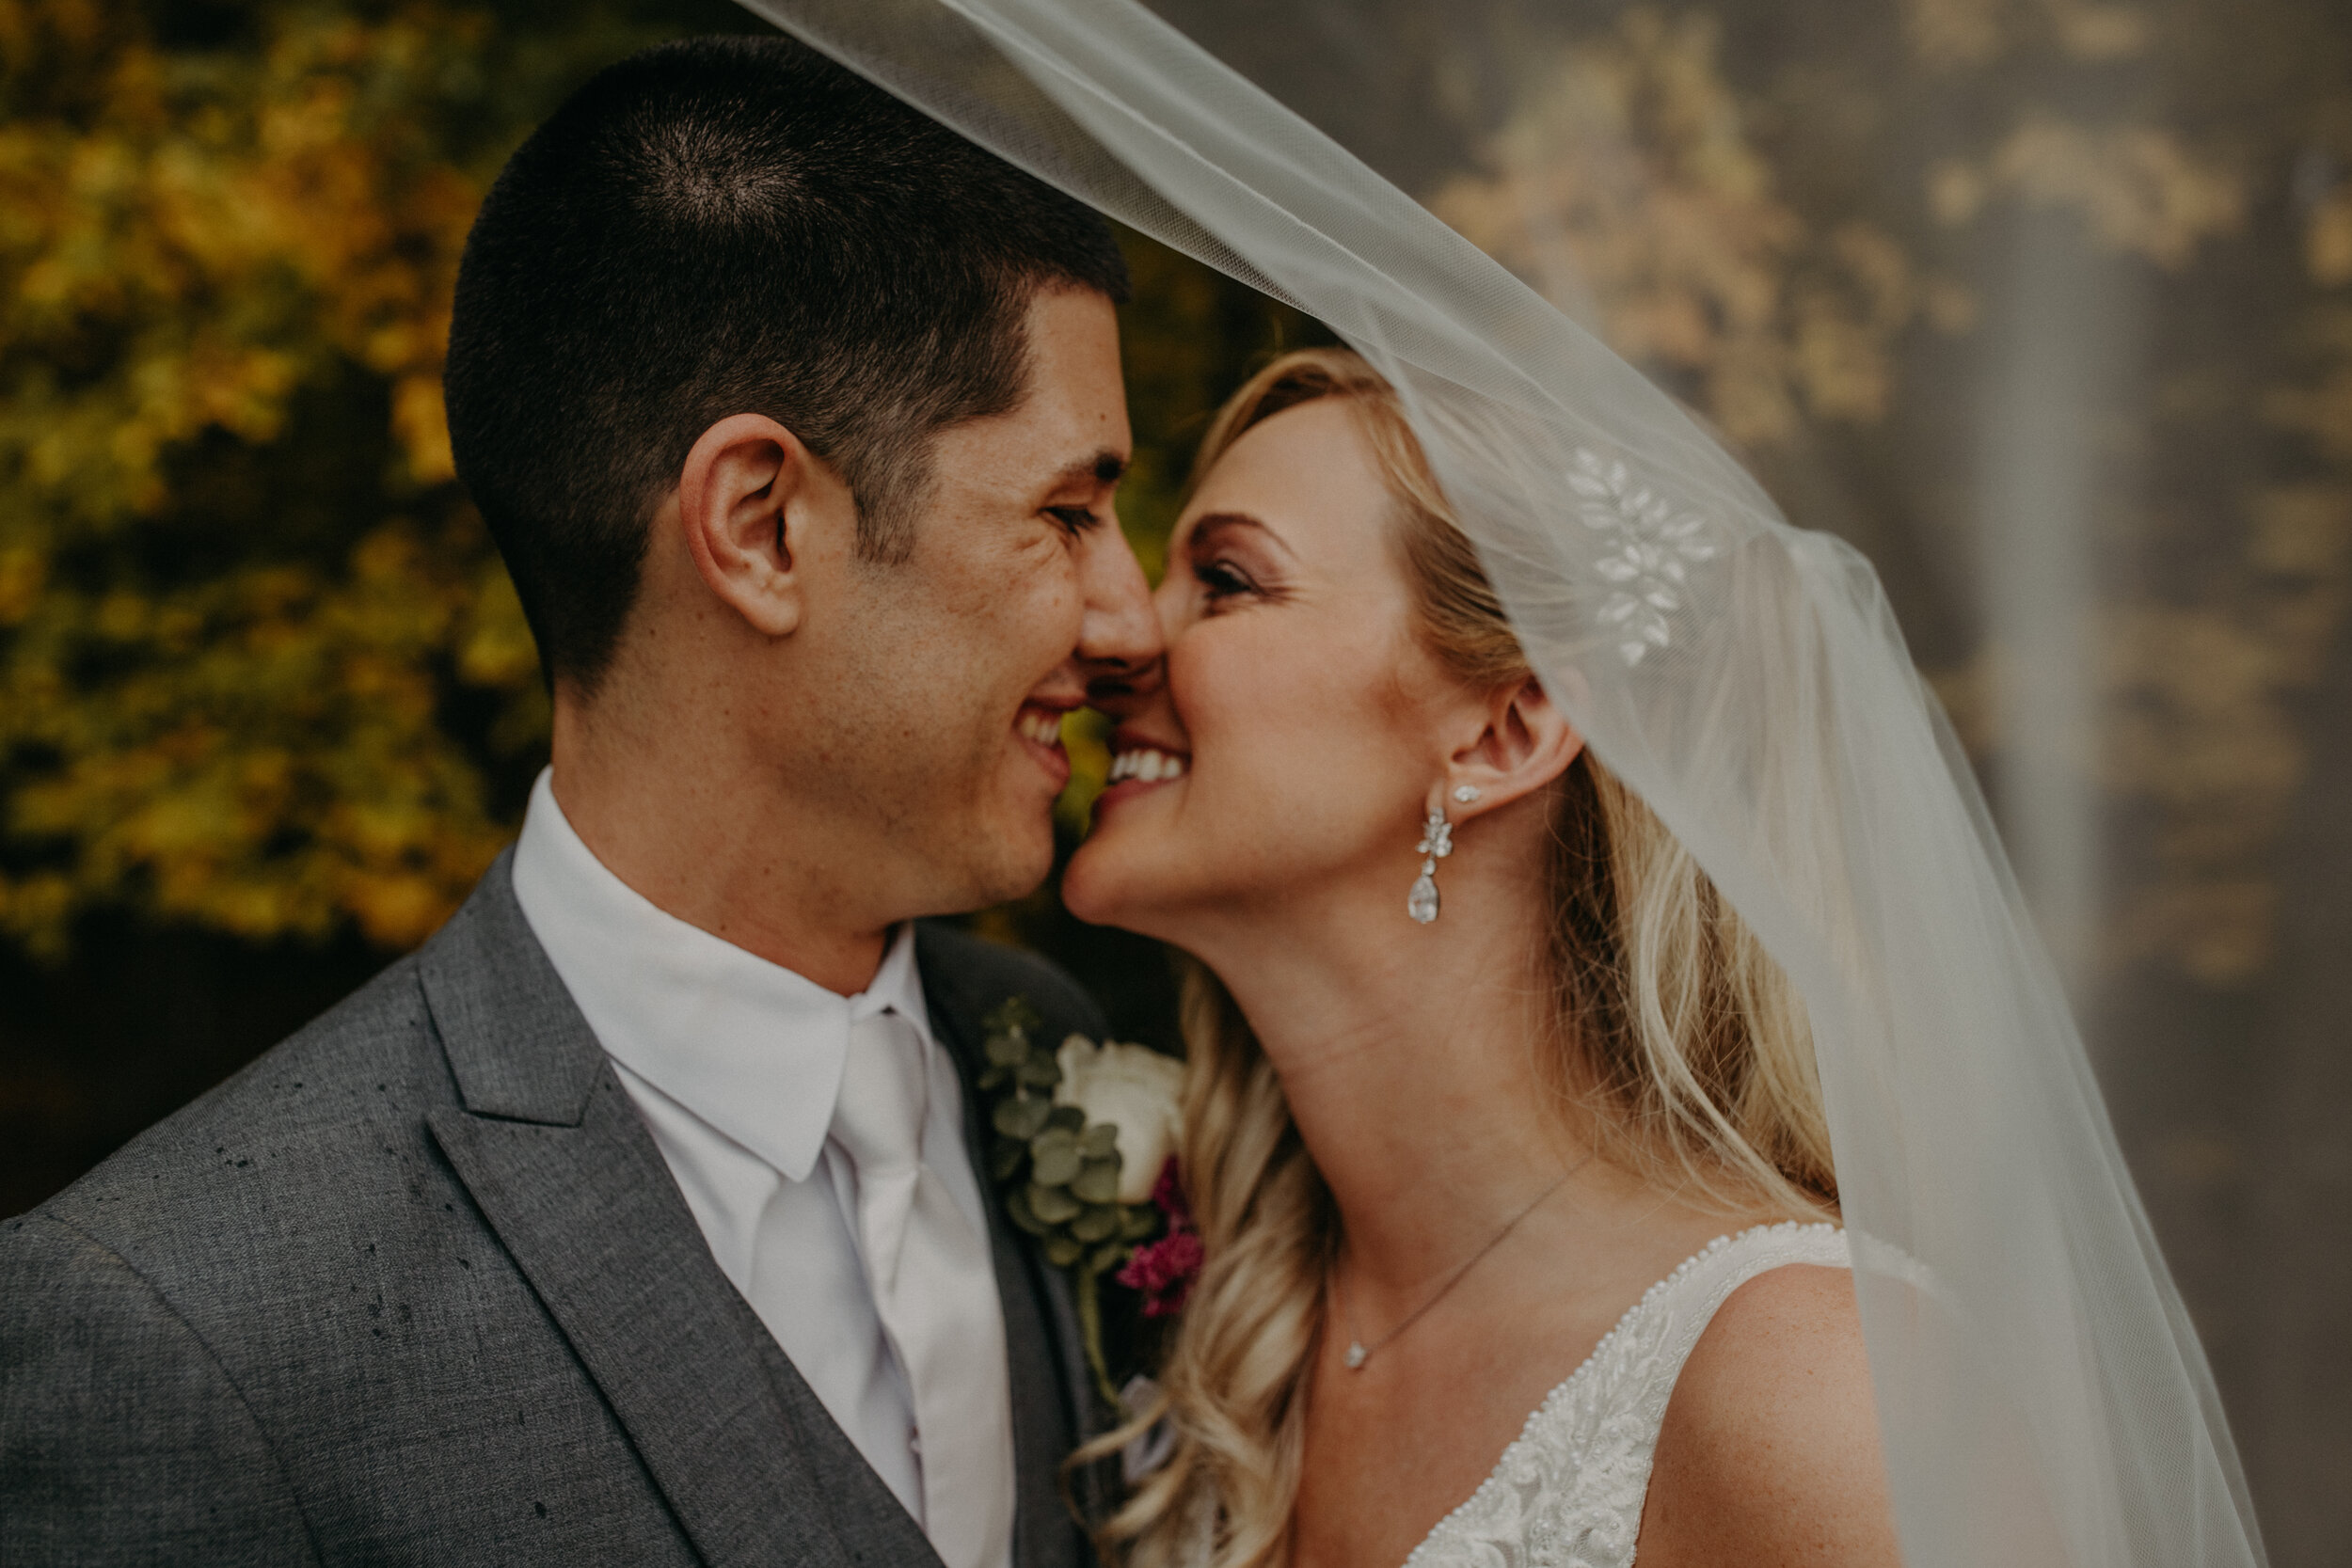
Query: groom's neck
point(707, 841)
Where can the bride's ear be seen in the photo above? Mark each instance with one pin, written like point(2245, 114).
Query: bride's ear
point(1525, 743)
point(753, 503)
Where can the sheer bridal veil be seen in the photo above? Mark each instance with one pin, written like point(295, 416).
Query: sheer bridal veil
point(2041, 1395)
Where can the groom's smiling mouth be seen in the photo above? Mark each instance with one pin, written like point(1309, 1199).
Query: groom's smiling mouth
point(1038, 725)
point(1041, 724)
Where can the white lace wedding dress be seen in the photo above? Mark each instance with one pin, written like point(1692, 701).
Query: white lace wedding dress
point(1568, 1492)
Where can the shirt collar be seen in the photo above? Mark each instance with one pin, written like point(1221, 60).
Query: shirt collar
point(749, 1046)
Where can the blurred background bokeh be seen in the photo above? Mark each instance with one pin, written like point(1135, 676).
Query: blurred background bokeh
point(2044, 304)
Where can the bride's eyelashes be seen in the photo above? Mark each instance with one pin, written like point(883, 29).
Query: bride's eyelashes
point(1234, 558)
point(1222, 582)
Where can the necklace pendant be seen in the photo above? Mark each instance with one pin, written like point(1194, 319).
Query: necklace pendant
point(1356, 1355)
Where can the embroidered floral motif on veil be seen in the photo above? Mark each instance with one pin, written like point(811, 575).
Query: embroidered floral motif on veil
point(1651, 543)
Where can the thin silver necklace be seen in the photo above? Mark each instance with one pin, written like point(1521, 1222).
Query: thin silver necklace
point(1359, 1353)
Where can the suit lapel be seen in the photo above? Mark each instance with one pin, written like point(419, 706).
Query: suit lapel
point(1052, 1394)
point(556, 1158)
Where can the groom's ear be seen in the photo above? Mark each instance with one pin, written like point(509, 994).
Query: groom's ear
point(755, 503)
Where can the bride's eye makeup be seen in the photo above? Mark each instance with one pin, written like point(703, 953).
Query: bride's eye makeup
point(1221, 547)
point(1221, 579)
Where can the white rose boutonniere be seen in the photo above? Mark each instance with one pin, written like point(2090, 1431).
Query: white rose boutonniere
point(1133, 1088)
point(1082, 1153)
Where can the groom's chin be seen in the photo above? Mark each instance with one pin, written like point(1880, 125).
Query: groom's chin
point(1009, 864)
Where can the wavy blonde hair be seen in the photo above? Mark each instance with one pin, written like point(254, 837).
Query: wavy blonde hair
point(1677, 1039)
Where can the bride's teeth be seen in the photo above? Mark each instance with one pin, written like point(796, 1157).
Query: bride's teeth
point(1149, 766)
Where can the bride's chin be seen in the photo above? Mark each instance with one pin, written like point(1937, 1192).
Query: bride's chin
point(1100, 885)
point(1085, 890)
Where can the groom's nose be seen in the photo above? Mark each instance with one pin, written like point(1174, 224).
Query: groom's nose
point(1119, 639)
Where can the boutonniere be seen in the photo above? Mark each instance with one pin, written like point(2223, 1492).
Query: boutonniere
point(1084, 1154)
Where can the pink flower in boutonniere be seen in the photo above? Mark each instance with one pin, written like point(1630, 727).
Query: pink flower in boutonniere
point(1163, 1271)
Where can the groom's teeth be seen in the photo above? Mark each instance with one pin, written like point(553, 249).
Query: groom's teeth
point(1040, 726)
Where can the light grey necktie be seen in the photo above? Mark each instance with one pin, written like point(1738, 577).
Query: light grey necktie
point(935, 1291)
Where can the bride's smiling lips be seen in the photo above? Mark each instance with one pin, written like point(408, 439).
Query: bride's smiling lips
point(1141, 763)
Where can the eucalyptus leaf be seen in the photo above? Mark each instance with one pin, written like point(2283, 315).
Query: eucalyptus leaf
point(1054, 1205)
point(1100, 1140)
point(1014, 1016)
point(1062, 1251)
point(1069, 1117)
point(1022, 1118)
point(1097, 1182)
point(1007, 1051)
point(1040, 1072)
point(1058, 1163)
point(1017, 1209)
point(1108, 1258)
point(1140, 1223)
point(1098, 1223)
point(1005, 1158)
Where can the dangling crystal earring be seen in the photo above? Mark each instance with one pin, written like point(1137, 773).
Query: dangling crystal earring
point(1437, 843)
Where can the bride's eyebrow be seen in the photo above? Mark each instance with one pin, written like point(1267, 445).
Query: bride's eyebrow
point(1216, 522)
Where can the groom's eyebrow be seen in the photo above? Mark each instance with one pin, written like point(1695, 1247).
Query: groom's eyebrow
point(1103, 467)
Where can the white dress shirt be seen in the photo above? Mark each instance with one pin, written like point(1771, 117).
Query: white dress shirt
point(734, 1064)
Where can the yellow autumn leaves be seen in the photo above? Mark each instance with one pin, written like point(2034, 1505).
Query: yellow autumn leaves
point(240, 601)
point(230, 223)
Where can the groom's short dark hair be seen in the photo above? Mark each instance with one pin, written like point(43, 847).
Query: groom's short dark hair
point(722, 225)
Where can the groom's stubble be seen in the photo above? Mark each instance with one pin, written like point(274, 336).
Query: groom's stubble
point(999, 603)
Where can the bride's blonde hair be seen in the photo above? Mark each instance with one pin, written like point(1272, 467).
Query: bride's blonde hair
point(1681, 1043)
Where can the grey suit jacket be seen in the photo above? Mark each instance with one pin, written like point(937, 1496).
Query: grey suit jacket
point(416, 1288)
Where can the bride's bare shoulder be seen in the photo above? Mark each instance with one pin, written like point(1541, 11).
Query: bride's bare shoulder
point(1770, 1451)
